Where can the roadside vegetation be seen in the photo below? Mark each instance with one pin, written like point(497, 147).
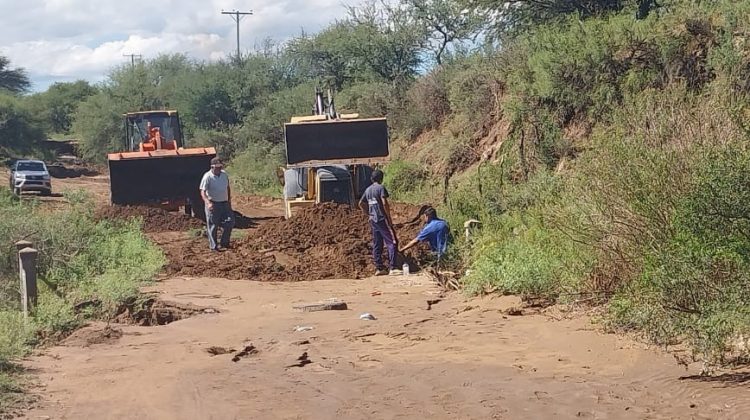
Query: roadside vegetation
point(602, 144)
point(86, 270)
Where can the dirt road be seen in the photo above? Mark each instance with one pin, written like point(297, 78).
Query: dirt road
point(461, 359)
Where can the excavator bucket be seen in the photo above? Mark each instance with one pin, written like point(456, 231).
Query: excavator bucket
point(318, 141)
point(157, 177)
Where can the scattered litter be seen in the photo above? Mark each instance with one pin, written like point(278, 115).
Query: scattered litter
point(376, 293)
point(299, 328)
point(329, 305)
point(301, 343)
point(367, 317)
point(247, 351)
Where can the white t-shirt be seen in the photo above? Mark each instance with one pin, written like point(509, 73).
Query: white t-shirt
point(216, 186)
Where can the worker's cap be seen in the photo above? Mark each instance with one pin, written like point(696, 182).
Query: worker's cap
point(216, 162)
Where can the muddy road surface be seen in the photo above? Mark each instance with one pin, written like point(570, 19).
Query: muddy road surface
point(244, 352)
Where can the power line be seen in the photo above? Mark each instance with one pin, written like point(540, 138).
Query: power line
point(237, 17)
point(132, 58)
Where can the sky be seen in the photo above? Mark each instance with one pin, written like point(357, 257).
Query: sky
point(68, 40)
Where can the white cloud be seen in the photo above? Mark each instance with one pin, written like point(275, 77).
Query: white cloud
point(82, 39)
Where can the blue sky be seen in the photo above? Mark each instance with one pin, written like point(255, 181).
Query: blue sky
point(67, 40)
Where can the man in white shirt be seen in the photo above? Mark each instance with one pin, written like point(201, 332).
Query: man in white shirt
point(217, 196)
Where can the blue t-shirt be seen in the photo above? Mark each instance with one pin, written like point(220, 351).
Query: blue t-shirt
point(435, 232)
point(374, 194)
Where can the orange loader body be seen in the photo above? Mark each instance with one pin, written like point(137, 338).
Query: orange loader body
point(155, 170)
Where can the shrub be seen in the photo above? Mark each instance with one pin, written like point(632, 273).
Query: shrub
point(254, 170)
point(519, 251)
point(79, 260)
point(406, 181)
point(15, 335)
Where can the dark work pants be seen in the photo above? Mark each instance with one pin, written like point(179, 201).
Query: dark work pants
point(221, 215)
point(381, 233)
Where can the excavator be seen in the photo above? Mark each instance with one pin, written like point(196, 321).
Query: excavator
point(329, 156)
point(155, 169)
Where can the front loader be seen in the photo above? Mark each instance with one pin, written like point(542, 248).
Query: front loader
point(329, 156)
point(155, 169)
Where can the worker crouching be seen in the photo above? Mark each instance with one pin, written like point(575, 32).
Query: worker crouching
point(435, 232)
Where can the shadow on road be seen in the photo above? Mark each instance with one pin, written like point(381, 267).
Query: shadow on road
point(63, 172)
point(727, 380)
point(243, 222)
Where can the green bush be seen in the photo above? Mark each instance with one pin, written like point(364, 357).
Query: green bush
point(15, 335)
point(698, 279)
point(520, 251)
point(406, 181)
point(254, 170)
point(369, 100)
point(21, 132)
point(80, 260)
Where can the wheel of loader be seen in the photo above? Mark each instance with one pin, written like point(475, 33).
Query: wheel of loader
point(196, 207)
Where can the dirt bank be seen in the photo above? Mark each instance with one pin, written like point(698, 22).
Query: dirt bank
point(326, 241)
point(154, 219)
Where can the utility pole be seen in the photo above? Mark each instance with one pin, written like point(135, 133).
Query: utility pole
point(132, 58)
point(237, 17)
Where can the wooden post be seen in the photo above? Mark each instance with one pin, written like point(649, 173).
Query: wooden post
point(27, 267)
point(23, 244)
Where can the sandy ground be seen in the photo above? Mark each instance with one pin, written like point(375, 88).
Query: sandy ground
point(462, 359)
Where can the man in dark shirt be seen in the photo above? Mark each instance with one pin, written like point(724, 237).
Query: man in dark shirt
point(435, 232)
point(374, 202)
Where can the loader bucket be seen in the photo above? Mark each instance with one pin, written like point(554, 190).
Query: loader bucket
point(163, 176)
point(333, 142)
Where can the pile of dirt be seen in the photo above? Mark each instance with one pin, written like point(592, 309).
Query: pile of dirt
point(153, 312)
point(154, 219)
point(322, 242)
point(88, 336)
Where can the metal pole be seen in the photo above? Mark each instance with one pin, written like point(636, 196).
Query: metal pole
point(237, 17)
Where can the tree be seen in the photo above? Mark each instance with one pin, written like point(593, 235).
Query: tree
point(98, 123)
point(389, 40)
point(58, 104)
point(446, 22)
point(374, 43)
point(19, 131)
point(12, 80)
point(325, 57)
point(509, 17)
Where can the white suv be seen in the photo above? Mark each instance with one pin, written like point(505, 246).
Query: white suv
point(30, 175)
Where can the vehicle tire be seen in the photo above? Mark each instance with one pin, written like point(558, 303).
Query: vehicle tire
point(196, 204)
point(17, 191)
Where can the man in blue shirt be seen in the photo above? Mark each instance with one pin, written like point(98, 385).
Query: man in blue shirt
point(435, 232)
